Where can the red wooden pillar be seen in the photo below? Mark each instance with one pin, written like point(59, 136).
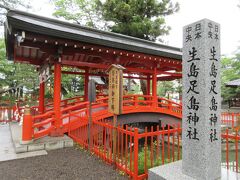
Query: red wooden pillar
point(41, 97)
point(148, 85)
point(86, 80)
point(57, 100)
point(154, 86)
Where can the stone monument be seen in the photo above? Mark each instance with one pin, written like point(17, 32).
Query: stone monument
point(201, 128)
point(201, 133)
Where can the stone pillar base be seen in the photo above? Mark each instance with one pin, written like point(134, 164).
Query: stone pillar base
point(173, 171)
point(25, 142)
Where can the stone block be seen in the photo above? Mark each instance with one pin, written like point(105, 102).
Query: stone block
point(171, 171)
point(54, 145)
point(68, 143)
point(36, 147)
point(19, 148)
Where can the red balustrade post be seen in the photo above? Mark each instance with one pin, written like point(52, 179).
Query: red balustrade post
point(154, 87)
point(135, 175)
point(170, 105)
point(86, 80)
point(135, 101)
point(27, 129)
point(69, 122)
point(41, 97)
point(232, 120)
point(227, 156)
point(57, 101)
point(236, 149)
point(65, 103)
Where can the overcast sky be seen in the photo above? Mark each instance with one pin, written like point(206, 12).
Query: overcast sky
point(224, 12)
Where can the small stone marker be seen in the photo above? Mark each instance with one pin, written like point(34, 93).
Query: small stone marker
point(201, 130)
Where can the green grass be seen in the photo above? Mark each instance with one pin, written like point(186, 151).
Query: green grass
point(156, 161)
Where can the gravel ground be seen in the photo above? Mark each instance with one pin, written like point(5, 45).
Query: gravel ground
point(68, 163)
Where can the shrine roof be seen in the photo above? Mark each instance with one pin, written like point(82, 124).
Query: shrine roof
point(18, 20)
point(233, 83)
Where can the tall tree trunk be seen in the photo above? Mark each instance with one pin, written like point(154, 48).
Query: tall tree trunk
point(21, 91)
point(143, 84)
point(129, 85)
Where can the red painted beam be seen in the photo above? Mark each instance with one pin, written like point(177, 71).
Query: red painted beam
point(103, 75)
point(104, 66)
point(168, 78)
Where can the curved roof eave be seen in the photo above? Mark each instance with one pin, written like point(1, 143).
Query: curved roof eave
point(52, 27)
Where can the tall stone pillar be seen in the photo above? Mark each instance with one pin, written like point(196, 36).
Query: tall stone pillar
point(201, 131)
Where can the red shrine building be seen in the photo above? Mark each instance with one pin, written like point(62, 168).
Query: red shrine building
point(46, 42)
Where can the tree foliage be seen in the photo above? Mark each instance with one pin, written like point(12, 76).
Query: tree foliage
point(18, 78)
point(15, 77)
point(230, 71)
point(144, 19)
point(83, 12)
point(72, 85)
point(165, 87)
point(9, 4)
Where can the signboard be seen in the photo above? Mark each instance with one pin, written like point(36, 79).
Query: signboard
point(115, 89)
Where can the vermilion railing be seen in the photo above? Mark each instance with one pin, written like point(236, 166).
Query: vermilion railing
point(230, 119)
point(136, 151)
point(139, 103)
point(131, 104)
point(65, 102)
point(74, 109)
point(70, 101)
point(231, 147)
point(43, 124)
point(6, 114)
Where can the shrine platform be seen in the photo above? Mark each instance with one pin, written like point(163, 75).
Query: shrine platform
point(45, 143)
point(7, 151)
